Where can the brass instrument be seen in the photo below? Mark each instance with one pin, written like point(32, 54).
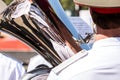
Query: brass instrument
point(38, 33)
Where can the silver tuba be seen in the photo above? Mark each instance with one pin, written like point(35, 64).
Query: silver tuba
point(36, 24)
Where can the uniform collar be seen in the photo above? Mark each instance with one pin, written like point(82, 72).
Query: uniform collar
point(107, 42)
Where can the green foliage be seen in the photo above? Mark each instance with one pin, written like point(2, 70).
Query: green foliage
point(67, 4)
point(70, 5)
point(7, 1)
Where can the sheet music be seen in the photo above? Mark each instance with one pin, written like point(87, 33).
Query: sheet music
point(81, 26)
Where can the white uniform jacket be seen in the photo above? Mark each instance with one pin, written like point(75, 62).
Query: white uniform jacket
point(102, 62)
point(10, 69)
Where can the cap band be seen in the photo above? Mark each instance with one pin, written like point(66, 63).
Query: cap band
point(106, 10)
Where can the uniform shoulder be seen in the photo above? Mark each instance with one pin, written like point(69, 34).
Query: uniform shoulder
point(70, 61)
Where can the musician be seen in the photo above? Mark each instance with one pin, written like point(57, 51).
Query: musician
point(102, 62)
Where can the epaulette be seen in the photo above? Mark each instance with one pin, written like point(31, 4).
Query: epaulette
point(58, 69)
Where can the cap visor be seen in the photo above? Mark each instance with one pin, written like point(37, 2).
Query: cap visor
point(98, 3)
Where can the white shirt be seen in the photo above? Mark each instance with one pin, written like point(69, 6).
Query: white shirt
point(36, 61)
point(10, 69)
point(102, 62)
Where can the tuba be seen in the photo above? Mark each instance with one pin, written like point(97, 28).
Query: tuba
point(37, 25)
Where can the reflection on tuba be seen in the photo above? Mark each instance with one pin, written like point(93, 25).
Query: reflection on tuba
point(37, 26)
point(65, 33)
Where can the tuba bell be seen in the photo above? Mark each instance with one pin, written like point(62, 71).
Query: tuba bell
point(37, 25)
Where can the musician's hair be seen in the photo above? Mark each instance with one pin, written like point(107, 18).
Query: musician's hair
point(106, 21)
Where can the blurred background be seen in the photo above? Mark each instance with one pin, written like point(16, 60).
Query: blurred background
point(68, 5)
